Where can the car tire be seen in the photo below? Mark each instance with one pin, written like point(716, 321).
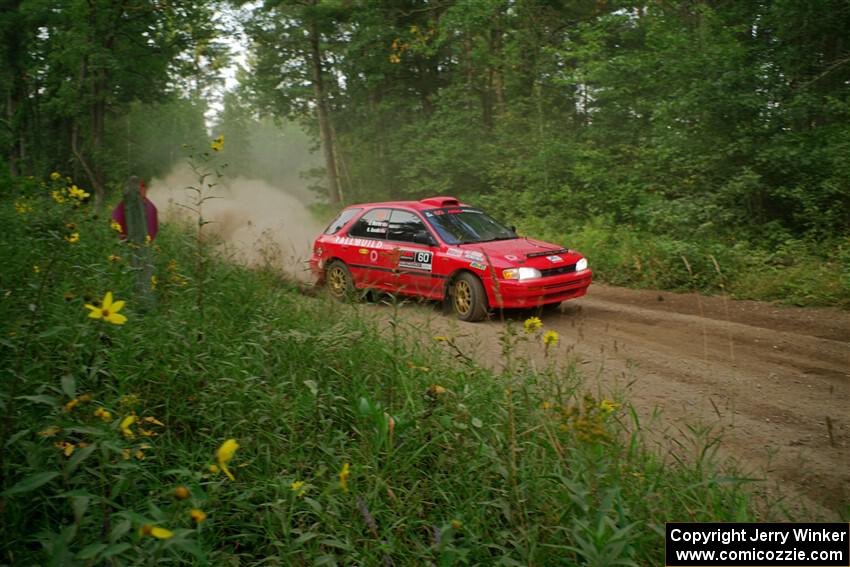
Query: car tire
point(339, 281)
point(468, 298)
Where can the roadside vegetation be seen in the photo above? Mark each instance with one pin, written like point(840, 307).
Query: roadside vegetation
point(794, 271)
point(679, 145)
point(234, 421)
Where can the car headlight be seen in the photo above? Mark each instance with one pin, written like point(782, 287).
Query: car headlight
point(581, 265)
point(521, 274)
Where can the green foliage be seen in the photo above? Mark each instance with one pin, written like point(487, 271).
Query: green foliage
point(685, 122)
point(81, 76)
point(793, 271)
point(358, 444)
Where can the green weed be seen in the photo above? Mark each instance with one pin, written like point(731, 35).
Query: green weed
point(276, 429)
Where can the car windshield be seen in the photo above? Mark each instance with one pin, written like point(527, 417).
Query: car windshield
point(461, 225)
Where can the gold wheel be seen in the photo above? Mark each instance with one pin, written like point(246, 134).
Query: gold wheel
point(469, 299)
point(339, 282)
point(462, 297)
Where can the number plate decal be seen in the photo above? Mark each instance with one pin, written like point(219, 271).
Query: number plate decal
point(415, 260)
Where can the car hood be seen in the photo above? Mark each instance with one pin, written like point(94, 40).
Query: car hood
point(523, 252)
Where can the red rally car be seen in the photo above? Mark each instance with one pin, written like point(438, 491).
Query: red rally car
point(439, 248)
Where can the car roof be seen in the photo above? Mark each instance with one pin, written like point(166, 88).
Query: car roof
point(422, 205)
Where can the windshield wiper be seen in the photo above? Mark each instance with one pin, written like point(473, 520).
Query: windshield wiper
point(499, 238)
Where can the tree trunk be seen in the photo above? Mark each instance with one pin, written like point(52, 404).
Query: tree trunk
point(325, 131)
point(98, 114)
point(11, 111)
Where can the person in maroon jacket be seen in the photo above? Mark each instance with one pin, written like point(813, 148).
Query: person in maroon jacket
point(119, 216)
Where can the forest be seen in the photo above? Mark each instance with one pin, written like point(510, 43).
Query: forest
point(163, 403)
point(679, 144)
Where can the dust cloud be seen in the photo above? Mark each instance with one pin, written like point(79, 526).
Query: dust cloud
point(255, 224)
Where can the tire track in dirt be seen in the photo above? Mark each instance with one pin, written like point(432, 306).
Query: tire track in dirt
point(773, 382)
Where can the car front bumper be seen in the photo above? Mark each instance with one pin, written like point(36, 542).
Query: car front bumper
point(532, 293)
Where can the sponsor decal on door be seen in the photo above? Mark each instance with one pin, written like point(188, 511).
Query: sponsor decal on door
point(415, 260)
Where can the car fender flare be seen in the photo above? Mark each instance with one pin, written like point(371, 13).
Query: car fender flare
point(487, 288)
point(330, 259)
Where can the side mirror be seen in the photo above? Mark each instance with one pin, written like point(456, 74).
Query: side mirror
point(424, 238)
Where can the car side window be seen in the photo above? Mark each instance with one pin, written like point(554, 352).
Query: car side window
point(341, 220)
point(404, 225)
point(373, 224)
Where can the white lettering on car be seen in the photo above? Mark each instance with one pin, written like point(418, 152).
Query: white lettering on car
point(360, 242)
point(415, 260)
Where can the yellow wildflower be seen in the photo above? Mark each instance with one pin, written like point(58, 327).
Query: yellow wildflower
point(126, 454)
point(23, 208)
point(456, 524)
point(55, 176)
point(214, 469)
point(440, 338)
point(58, 197)
point(147, 239)
point(67, 448)
point(125, 426)
point(181, 493)
point(72, 404)
point(224, 454)
point(533, 324)
point(113, 258)
point(50, 431)
point(36, 268)
point(550, 338)
point(84, 397)
point(108, 311)
point(103, 414)
point(298, 487)
point(73, 238)
point(115, 225)
point(198, 515)
point(140, 455)
point(218, 144)
point(153, 420)
point(154, 282)
point(608, 406)
point(78, 193)
point(343, 476)
point(157, 532)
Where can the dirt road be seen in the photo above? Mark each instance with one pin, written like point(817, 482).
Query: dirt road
point(773, 382)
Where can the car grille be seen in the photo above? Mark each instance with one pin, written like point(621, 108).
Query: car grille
point(558, 271)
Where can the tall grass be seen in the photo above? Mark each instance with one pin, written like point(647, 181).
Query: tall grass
point(355, 445)
point(790, 271)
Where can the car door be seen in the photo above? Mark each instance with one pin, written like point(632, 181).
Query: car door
point(365, 251)
point(414, 261)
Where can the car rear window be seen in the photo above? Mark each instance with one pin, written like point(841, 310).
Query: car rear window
point(341, 220)
point(373, 224)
